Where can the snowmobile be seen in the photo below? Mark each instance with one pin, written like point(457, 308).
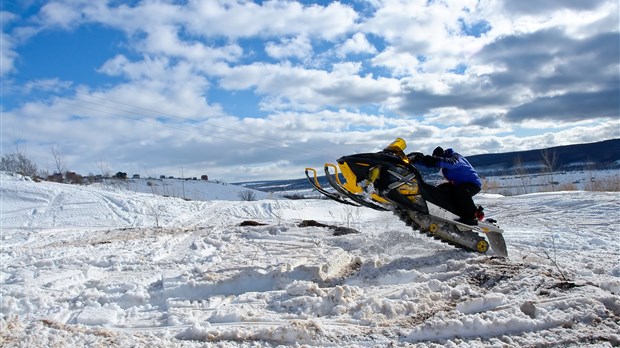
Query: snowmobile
point(389, 181)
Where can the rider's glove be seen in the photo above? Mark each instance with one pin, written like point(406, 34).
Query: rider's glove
point(429, 161)
point(415, 156)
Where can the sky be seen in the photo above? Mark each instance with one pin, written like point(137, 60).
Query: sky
point(245, 91)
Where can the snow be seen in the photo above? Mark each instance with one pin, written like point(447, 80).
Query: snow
point(121, 266)
point(589, 180)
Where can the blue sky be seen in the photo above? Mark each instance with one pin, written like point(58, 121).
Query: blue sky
point(244, 90)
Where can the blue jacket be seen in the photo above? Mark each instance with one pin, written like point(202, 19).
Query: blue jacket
point(456, 168)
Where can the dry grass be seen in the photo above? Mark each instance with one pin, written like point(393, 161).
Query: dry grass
point(566, 187)
point(609, 184)
point(491, 185)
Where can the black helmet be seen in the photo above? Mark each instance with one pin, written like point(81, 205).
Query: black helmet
point(438, 152)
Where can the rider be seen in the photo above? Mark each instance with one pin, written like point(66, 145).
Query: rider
point(463, 181)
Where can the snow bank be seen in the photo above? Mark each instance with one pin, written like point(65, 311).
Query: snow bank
point(88, 266)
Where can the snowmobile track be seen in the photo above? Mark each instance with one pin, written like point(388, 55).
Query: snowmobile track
point(404, 217)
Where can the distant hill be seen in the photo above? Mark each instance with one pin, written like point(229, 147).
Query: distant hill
point(590, 156)
point(599, 155)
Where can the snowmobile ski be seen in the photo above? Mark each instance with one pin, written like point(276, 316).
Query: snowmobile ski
point(315, 183)
point(334, 181)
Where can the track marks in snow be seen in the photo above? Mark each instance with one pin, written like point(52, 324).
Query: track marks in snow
point(194, 276)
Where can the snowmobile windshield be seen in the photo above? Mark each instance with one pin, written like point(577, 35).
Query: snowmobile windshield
point(397, 145)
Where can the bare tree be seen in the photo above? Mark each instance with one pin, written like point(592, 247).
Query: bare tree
point(183, 182)
point(105, 169)
point(549, 164)
point(152, 186)
point(522, 174)
point(58, 160)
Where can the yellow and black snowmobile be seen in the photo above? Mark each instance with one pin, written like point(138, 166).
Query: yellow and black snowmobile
point(388, 180)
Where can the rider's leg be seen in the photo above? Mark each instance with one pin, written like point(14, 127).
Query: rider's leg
point(465, 204)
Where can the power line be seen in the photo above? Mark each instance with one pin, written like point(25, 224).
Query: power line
point(130, 111)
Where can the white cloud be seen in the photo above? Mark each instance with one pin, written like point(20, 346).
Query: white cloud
point(297, 87)
point(298, 47)
point(213, 19)
point(60, 14)
point(164, 40)
point(421, 29)
point(176, 90)
point(53, 85)
point(273, 18)
point(355, 45)
point(346, 69)
point(399, 63)
point(7, 54)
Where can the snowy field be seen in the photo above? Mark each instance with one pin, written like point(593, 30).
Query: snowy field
point(112, 267)
point(195, 190)
point(588, 180)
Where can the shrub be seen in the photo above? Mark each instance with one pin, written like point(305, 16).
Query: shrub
point(74, 178)
point(567, 187)
point(490, 186)
point(18, 163)
point(56, 177)
point(247, 195)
